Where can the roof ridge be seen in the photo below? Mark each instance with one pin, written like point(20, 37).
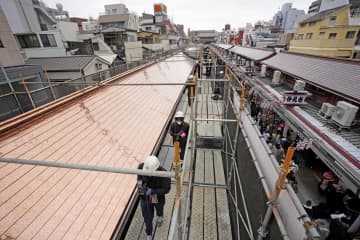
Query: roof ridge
point(337, 59)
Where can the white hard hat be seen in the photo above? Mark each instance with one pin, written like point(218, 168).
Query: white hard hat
point(179, 114)
point(190, 77)
point(151, 163)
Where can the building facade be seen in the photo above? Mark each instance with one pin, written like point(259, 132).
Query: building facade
point(33, 27)
point(332, 32)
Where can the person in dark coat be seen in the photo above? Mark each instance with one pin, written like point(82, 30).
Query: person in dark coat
point(152, 192)
point(179, 130)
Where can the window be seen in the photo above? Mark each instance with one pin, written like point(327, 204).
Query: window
point(333, 18)
point(113, 10)
point(95, 46)
point(28, 41)
point(98, 66)
point(311, 24)
point(300, 37)
point(308, 36)
point(48, 40)
point(332, 35)
point(321, 33)
point(350, 34)
point(1, 44)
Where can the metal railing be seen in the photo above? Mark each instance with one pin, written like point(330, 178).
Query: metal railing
point(27, 97)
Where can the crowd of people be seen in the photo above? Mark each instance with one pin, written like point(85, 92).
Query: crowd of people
point(341, 207)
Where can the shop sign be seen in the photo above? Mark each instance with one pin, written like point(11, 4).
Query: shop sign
point(304, 144)
point(294, 98)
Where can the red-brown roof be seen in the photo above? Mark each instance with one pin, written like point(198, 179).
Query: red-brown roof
point(339, 76)
point(110, 126)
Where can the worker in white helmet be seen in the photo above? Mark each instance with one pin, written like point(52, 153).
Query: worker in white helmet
point(179, 130)
point(152, 192)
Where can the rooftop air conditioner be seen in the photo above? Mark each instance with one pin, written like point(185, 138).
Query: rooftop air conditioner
point(344, 114)
point(276, 78)
point(299, 86)
point(326, 110)
point(263, 71)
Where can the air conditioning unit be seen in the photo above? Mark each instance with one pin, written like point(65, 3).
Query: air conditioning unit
point(276, 78)
point(299, 86)
point(344, 114)
point(263, 71)
point(327, 110)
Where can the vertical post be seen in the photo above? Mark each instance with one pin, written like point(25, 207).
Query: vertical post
point(81, 73)
point(12, 89)
point(242, 97)
point(178, 183)
point(27, 90)
point(50, 85)
point(284, 170)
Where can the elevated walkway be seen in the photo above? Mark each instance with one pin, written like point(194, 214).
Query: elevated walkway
point(208, 213)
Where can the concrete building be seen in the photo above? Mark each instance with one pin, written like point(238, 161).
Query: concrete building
point(118, 27)
point(203, 36)
point(333, 32)
point(9, 51)
point(314, 7)
point(287, 18)
point(259, 35)
point(34, 28)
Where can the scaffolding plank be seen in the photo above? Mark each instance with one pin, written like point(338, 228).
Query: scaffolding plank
point(168, 140)
point(169, 157)
point(210, 231)
point(209, 167)
point(223, 215)
point(162, 154)
point(199, 169)
point(187, 165)
point(137, 226)
point(197, 212)
point(219, 169)
point(162, 231)
point(183, 206)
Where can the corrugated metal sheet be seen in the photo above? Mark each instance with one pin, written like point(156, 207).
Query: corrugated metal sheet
point(251, 53)
point(339, 76)
point(111, 126)
point(62, 63)
point(224, 46)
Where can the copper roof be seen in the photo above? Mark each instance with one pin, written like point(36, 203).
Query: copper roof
point(108, 126)
point(339, 76)
point(252, 53)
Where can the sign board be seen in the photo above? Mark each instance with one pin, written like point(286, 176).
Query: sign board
point(294, 97)
point(304, 144)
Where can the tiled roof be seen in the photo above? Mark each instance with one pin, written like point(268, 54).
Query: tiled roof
point(251, 53)
point(339, 76)
point(62, 63)
point(109, 126)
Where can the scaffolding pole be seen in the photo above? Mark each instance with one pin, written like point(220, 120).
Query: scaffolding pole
point(114, 84)
point(88, 167)
point(12, 89)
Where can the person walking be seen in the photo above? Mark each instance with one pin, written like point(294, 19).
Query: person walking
point(179, 130)
point(152, 192)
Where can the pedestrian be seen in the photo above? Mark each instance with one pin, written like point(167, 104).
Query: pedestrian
point(308, 208)
point(179, 130)
point(152, 192)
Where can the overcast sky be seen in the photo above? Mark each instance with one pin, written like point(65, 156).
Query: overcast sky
point(196, 14)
